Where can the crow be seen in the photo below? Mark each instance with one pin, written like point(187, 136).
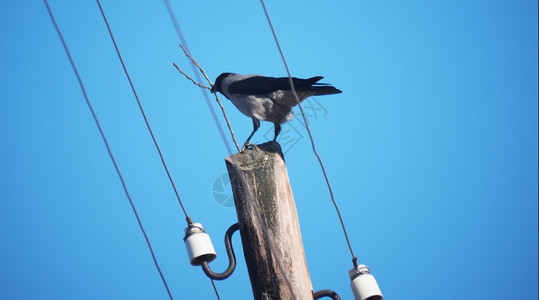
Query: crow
point(268, 98)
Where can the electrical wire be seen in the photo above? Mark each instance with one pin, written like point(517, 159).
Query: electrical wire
point(183, 41)
point(215, 289)
point(188, 219)
point(101, 132)
point(354, 259)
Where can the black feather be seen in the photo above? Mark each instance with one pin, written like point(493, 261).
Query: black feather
point(260, 85)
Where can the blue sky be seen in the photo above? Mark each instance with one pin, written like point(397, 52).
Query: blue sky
point(431, 148)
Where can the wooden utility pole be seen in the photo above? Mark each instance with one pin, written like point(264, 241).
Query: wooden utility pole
point(269, 224)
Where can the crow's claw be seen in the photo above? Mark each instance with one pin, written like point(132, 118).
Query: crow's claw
point(247, 146)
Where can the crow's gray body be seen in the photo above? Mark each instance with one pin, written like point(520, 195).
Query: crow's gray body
point(268, 98)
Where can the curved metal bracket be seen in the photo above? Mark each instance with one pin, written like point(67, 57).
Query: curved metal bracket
point(326, 293)
point(229, 252)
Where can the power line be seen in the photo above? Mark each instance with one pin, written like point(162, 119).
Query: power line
point(215, 289)
point(309, 132)
point(106, 144)
point(144, 115)
point(183, 41)
point(195, 71)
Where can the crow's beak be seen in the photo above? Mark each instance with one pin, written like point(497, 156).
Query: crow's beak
point(213, 89)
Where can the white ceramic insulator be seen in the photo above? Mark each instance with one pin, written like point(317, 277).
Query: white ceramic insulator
point(199, 245)
point(365, 287)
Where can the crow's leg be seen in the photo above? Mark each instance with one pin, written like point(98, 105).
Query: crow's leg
point(256, 125)
point(277, 131)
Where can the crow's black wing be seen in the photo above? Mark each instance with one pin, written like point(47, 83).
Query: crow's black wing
point(261, 85)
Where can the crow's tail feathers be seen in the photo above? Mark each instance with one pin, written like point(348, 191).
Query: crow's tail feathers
point(314, 87)
point(324, 90)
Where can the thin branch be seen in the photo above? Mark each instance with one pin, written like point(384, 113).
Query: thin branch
point(192, 80)
point(206, 87)
point(227, 122)
point(196, 64)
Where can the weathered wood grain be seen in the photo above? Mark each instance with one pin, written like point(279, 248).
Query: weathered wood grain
point(269, 224)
